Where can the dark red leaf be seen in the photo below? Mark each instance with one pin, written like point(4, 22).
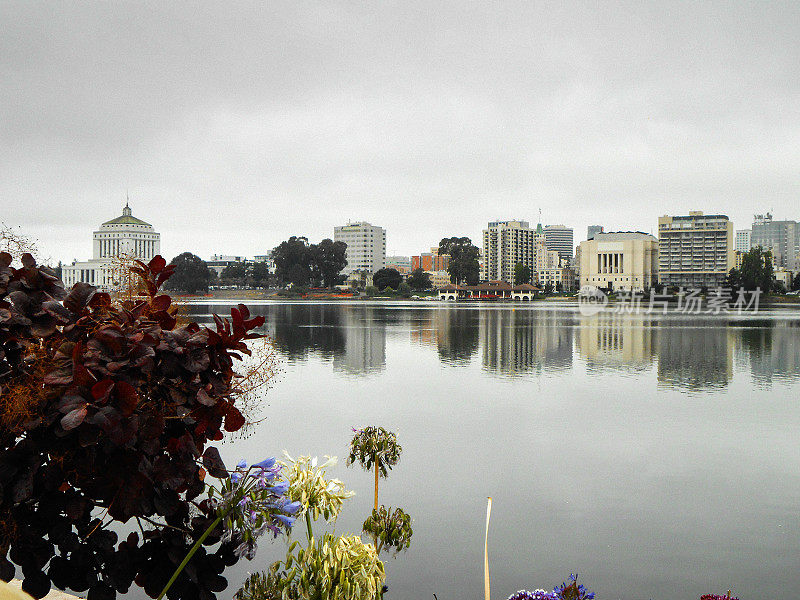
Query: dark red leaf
point(100, 300)
point(204, 399)
point(28, 261)
point(213, 462)
point(101, 390)
point(73, 418)
point(234, 420)
point(161, 302)
point(127, 398)
point(157, 264)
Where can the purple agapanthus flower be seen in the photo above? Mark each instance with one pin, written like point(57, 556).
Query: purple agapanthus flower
point(265, 464)
point(534, 595)
point(583, 593)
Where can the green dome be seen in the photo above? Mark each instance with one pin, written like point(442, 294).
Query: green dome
point(127, 219)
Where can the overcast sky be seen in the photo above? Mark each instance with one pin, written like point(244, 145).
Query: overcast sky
point(235, 125)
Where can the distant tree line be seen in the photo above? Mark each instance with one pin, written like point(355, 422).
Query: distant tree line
point(301, 264)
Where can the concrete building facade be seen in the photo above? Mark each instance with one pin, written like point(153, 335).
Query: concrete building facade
point(402, 264)
point(366, 246)
point(560, 238)
point(625, 261)
point(781, 237)
point(742, 240)
point(694, 251)
point(593, 230)
point(121, 239)
point(505, 244)
point(430, 261)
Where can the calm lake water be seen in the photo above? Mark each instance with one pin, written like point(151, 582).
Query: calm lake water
point(656, 455)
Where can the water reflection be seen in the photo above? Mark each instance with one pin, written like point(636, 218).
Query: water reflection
point(516, 342)
point(610, 341)
point(695, 355)
point(771, 349)
point(690, 353)
point(300, 329)
point(364, 342)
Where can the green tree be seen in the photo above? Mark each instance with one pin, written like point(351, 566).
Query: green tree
point(371, 290)
point(328, 258)
point(258, 274)
point(757, 270)
point(191, 274)
point(548, 288)
point(796, 282)
point(293, 261)
point(464, 266)
point(522, 274)
point(384, 278)
point(234, 274)
point(404, 289)
point(419, 280)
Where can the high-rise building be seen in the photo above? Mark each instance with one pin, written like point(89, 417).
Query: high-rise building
point(506, 244)
point(560, 238)
point(366, 246)
point(694, 251)
point(742, 240)
point(625, 261)
point(430, 261)
point(781, 237)
point(402, 264)
point(593, 230)
point(124, 238)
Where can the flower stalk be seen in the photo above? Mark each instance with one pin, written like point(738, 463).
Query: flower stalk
point(191, 553)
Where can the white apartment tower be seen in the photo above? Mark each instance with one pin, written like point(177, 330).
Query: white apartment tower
point(505, 244)
point(366, 246)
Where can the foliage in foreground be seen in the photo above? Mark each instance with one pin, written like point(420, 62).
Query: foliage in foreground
point(335, 567)
point(569, 590)
point(106, 412)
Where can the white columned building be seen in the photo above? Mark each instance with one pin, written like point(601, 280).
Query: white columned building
point(123, 238)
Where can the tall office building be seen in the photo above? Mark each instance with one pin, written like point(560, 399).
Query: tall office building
point(742, 241)
point(505, 244)
point(694, 251)
point(366, 246)
point(593, 230)
point(559, 238)
point(123, 238)
point(781, 237)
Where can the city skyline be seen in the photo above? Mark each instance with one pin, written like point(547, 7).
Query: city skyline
point(232, 130)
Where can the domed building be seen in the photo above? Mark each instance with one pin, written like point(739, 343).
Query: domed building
point(121, 239)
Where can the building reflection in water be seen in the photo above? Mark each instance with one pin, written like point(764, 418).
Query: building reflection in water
point(690, 352)
point(452, 330)
point(300, 329)
point(520, 341)
point(364, 341)
point(612, 341)
point(695, 353)
point(771, 350)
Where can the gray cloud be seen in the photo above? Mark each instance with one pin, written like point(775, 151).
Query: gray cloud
point(235, 126)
